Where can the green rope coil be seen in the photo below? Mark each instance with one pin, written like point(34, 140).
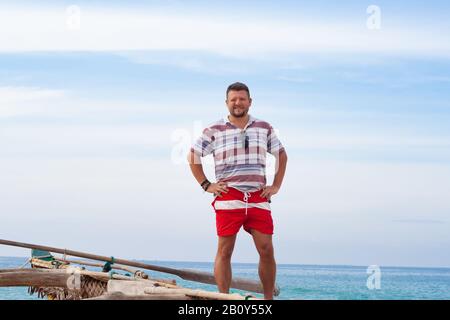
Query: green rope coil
point(108, 265)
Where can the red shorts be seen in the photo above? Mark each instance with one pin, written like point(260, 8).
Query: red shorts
point(235, 209)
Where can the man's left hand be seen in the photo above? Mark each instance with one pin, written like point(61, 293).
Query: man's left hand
point(269, 191)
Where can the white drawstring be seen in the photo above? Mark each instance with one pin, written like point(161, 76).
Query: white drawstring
point(246, 196)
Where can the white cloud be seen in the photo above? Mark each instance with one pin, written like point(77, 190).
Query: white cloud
point(16, 101)
point(64, 104)
point(190, 60)
point(302, 139)
point(294, 79)
point(45, 29)
point(51, 140)
point(19, 94)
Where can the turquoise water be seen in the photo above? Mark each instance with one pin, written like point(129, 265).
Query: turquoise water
point(308, 281)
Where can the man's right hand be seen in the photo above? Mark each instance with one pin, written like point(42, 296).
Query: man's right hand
point(217, 188)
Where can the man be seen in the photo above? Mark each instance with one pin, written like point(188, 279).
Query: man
point(239, 144)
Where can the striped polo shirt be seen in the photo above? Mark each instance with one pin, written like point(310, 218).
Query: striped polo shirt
point(239, 154)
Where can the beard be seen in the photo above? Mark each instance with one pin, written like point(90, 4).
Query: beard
point(238, 113)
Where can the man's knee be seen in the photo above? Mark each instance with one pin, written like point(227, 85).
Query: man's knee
point(265, 251)
point(225, 253)
point(226, 247)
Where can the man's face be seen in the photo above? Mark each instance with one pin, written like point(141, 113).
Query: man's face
point(238, 103)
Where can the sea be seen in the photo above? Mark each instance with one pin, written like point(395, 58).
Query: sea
point(306, 282)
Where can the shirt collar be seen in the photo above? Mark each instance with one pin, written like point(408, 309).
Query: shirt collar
point(250, 120)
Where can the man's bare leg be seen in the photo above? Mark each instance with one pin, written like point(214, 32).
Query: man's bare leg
point(267, 265)
point(222, 264)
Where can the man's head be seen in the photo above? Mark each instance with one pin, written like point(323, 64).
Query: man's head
point(238, 99)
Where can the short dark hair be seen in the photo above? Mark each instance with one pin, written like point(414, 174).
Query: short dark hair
point(238, 86)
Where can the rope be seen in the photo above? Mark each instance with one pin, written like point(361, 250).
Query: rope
point(108, 265)
point(56, 263)
point(89, 288)
point(23, 266)
point(140, 274)
point(246, 196)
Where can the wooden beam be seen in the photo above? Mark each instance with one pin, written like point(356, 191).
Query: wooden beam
point(120, 296)
point(31, 278)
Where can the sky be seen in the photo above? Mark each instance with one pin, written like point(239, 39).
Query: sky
point(101, 100)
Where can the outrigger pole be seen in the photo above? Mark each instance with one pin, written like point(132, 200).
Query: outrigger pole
point(186, 274)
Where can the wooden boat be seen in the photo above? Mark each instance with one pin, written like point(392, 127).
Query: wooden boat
point(62, 279)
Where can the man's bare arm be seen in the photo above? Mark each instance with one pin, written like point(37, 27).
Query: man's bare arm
point(195, 164)
point(280, 167)
point(196, 167)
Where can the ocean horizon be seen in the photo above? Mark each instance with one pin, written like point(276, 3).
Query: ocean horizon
point(305, 281)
